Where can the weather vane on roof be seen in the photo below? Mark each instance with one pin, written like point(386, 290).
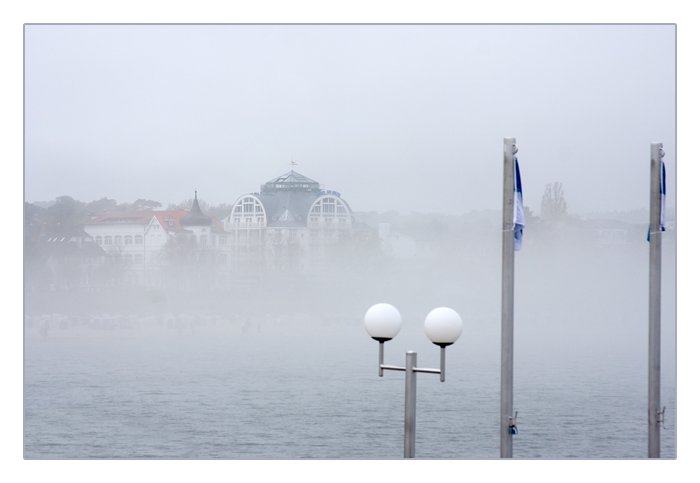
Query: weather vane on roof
point(292, 163)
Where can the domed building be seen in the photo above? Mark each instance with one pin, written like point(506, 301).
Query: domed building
point(291, 219)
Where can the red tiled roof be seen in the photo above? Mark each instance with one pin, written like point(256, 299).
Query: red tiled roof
point(145, 217)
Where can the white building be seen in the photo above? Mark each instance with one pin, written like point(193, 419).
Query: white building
point(136, 239)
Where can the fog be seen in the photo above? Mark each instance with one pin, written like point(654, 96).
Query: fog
point(407, 124)
point(397, 117)
point(573, 290)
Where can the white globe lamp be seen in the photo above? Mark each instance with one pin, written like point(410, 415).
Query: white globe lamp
point(382, 322)
point(443, 326)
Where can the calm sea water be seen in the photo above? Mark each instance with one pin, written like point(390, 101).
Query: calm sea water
point(272, 397)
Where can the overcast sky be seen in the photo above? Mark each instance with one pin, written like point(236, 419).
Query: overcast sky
point(406, 118)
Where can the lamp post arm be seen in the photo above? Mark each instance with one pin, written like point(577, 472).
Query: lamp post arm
point(391, 368)
point(381, 358)
point(440, 371)
point(442, 364)
point(424, 369)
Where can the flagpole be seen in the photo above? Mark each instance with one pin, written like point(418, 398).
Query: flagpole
point(655, 412)
point(507, 290)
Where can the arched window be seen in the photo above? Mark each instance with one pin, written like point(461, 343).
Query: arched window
point(128, 240)
point(203, 239)
point(138, 240)
point(138, 259)
point(108, 239)
point(127, 259)
point(245, 209)
point(98, 240)
point(333, 210)
point(118, 240)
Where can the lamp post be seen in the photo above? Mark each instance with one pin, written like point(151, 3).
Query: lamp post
point(443, 326)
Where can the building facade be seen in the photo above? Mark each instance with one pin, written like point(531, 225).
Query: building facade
point(144, 243)
point(289, 223)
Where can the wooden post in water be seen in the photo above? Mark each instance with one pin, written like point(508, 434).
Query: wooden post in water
point(655, 302)
point(507, 290)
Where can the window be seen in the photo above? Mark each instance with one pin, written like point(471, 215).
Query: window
point(248, 205)
point(98, 240)
point(316, 209)
point(128, 240)
point(118, 240)
point(222, 240)
point(203, 239)
point(138, 259)
point(127, 259)
point(341, 209)
point(108, 240)
point(138, 240)
point(328, 220)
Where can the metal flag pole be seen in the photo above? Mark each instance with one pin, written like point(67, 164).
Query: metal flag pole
point(655, 412)
point(507, 290)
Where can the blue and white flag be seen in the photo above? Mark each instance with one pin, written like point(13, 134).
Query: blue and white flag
point(662, 221)
point(518, 215)
point(662, 218)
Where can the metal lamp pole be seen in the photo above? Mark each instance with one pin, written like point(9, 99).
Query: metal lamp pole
point(443, 327)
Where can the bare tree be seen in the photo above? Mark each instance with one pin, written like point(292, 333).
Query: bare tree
point(553, 202)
